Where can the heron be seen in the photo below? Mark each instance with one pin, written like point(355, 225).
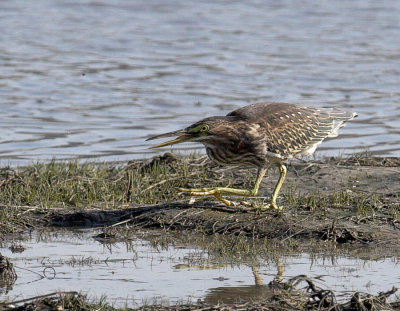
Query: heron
point(259, 135)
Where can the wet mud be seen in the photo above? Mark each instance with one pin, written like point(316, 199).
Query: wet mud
point(353, 201)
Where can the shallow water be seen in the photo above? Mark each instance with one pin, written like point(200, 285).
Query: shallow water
point(93, 79)
point(135, 272)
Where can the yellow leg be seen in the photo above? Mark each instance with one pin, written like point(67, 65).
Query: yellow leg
point(281, 270)
point(277, 279)
point(217, 191)
point(282, 170)
point(257, 277)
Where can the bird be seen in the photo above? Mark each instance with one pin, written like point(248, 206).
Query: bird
point(259, 135)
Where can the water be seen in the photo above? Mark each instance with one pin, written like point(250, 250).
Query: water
point(93, 79)
point(135, 272)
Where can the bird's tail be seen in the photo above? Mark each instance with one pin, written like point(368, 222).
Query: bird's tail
point(339, 118)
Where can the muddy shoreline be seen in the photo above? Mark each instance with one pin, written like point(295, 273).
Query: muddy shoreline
point(353, 202)
point(347, 201)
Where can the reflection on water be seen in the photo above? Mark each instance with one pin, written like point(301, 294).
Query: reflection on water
point(93, 79)
point(134, 272)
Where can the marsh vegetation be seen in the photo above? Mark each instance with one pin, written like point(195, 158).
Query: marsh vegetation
point(349, 202)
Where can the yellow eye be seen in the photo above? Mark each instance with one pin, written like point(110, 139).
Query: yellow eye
point(204, 128)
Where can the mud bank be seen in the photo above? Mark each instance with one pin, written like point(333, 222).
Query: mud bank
point(352, 201)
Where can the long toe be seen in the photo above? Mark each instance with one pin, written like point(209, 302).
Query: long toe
point(226, 202)
point(199, 190)
point(184, 189)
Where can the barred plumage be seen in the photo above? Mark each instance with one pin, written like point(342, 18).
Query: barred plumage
point(290, 130)
point(258, 135)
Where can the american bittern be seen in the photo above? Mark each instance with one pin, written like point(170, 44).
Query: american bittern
point(258, 135)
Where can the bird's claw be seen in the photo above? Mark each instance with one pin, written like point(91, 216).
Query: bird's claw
point(216, 192)
point(274, 206)
point(204, 192)
point(268, 206)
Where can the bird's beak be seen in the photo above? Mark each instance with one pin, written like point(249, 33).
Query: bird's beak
point(182, 137)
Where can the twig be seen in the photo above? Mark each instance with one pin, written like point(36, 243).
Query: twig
point(40, 297)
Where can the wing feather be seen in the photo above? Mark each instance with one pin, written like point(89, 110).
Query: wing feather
point(289, 130)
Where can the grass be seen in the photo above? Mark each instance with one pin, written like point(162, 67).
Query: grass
point(363, 203)
point(82, 185)
point(77, 185)
point(65, 186)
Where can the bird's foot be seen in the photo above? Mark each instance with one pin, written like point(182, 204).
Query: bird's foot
point(225, 201)
point(273, 205)
point(218, 191)
point(198, 192)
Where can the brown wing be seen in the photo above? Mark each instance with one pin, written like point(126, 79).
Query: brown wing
point(289, 130)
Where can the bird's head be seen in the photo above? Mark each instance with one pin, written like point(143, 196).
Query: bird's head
point(202, 131)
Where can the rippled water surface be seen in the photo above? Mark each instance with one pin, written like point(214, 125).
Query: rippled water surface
point(93, 79)
point(135, 272)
